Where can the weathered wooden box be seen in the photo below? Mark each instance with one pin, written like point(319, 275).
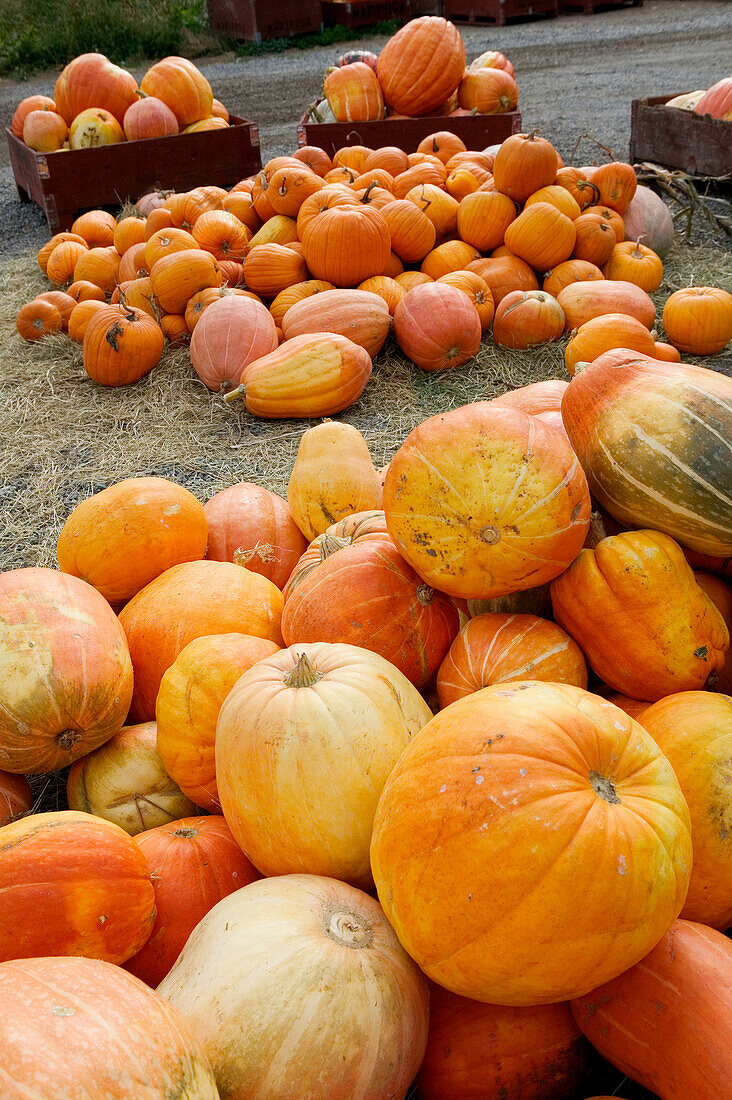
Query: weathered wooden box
point(477, 131)
point(697, 144)
point(498, 12)
point(257, 19)
point(363, 13)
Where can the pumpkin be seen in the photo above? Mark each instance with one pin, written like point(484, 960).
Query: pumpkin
point(213, 122)
point(558, 197)
point(290, 187)
point(124, 781)
point(84, 291)
point(221, 234)
point(44, 131)
point(585, 300)
point(24, 108)
point(132, 265)
point(37, 319)
point(665, 1022)
point(666, 353)
point(568, 272)
point(635, 708)
point(461, 808)
point(186, 207)
point(297, 293)
point(443, 144)
point(91, 80)
point(243, 951)
point(693, 729)
point(477, 290)
point(595, 238)
point(346, 244)
point(499, 648)
point(342, 715)
point(362, 317)
point(475, 1049)
point(182, 87)
point(389, 159)
point(634, 263)
point(230, 334)
point(541, 235)
point(437, 327)
point(366, 595)
point(720, 593)
point(655, 440)
point(353, 93)
point(698, 320)
point(536, 398)
point(315, 158)
point(254, 527)
point(440, 208)
point(133, 1038)
point(526, 318)
point(641, 645)
point(99, 266)
point(149, 118)
point(617, 184)
point(488, 91)
point(353, 529)
point(613, 219)
point(16, 797)
point(484, 540)
point(123, 537)
point(504, 274)
point(307, 376)
point(188, 704)
point(121, 345)
point(523, 164)
point(333, 476)
point(717, 100)
point(484, 217)
point(180, 275)
point(601, 334)
point(44, 253)
point(424, 174)
point(388, 289)
point(421, 65)
point(448, 257)
point(271, 268)
point(94, 127)
point(491, 59)
point(102, 903)
point(194, 863)
point(412, 233)
point(166, 242)
point(63, 260)
point(410, 279)
point(80, 317)
point(582, 190)
point(199, 303)
point(67, 679)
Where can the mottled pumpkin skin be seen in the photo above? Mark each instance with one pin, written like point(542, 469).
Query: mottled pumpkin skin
point(486, 500)
point(531, 838)
point(634, 607)
point(694, 731)
point(655, 440)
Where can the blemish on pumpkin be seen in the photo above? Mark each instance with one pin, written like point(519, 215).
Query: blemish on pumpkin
point(622, 867)
point(66, 739)
point(701, 652)
point(61, 1010)
point(171, 511)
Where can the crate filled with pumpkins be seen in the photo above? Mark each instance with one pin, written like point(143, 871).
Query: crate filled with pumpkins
point(421, 774)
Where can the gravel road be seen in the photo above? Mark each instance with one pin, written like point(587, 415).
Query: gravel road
point(577, 75)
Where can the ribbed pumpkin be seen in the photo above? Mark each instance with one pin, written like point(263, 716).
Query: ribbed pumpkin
point(315, 158)
point(523, 164)
point(44, 253)
point(388, 158)
point(44, 131)
point(123, 537)
point(558, 197)
point(121, 345)
point(99, 266)
point(16, 797)
point(366, 595)
point(291, 295)
point(221, 234)
point(271, 268)
point(412, 233)
point(289, 187)
point(476, 1050)
point(584, 300)
point(387, 288)
point(424, 174)
point(97, 227)
point(595, 239)
point(312, 375)
point(347, 244)
point(181, 86)
point(252, 526)
point(613, 219)
point(720, 593)
point(165, 242)
point(194, 863)
point(81, 315)
point(488, 91)
point(91, 80)
point(437, 327)
point(190, 601)
point(481, 906)
point(353, 93)
point(505, 274)
point(568, 272)
point(655, 440)
point(486, 540)
point(410, 279)
point(617, 183)
point(84, 291)
point(582, 190)
point(64, 303)
point(342, 715)
point(133, 1038)
point(149, 118)
point(635, 263)
point(37, 319)
point(698, 320)
point(102, 903)
point(499, 648)
point(362, 317)
point(352, 530)
point(180, 275)
point(132, 265)
point(484, 217)
point(666, 1021)
point(527, 318)
point(447, 257)
point(477, 290)
point(440, 208)
point(421, 65)
point(640, 644)
point(717, 100)
point(601, 334)
point(24, 108)
point(62, 261)
point(191, 694)
point(231, 333)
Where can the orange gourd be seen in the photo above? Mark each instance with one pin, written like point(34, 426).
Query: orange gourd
point(252, 526)
point(443, 144)
point(526, 318)
point(412, 233)
point(421, 65)
point(121, 345)
point(437, 327)
point(601, 334)
point(698, 320)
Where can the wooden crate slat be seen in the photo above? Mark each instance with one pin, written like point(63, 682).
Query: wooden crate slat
point(498, 11)
point(255, 20)
point(362, 13)
point(589, 7)
point(477, 131)
point(697, 144)
point(65, 183)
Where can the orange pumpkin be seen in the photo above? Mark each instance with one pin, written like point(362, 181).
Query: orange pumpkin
point(24, 108)
point(186, 207)
point(523, 164)
point(166, 242)
point(182, 87)
point(617, 184)
point(486, 540)
point(634, 263)
point(179, 275)
point(389, 159)
point(505, 274)
point(536, 398)
point(437, 327)
point(362, 317)
point(84, 291)
point(698, 320)
point(132, 265)
point(582, 190)
point(99, 266)
point(584, 300)
point(477, 290)
point(601, 334)
point(354, 93)
point(412, 233)
point(387, 288)
point(558, 197)
point(37, 319)
point(221, 234)
point(158, 218)
point(316, 159)
point(440, 208)
point(488, 91)
point(426, 173)
point(102, 904)
point(92, 128)
point(98, 228)
point(443, 144)
point(291, 295)
point(666, 353)
point(526, 318)
point(346, 244)
point(58, 238)
point(611, 217)
point(44, 131)
point(484, 217)
point(91, 80)
point(595, 239)
point(254, 526)
point(421, 65)
point(271, 268)
point(410, 279)
point(447, 257)
point(459, 813)
point(62, 261)
point(80, 317)
point(121, 345)
point(568, 272)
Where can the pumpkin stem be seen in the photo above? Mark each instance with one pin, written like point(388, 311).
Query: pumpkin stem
point(187, 833)
point(302, 674)
point(636, 253)
point(113, 332)
point(233, 394)
point(66, 739)
point(331, 544)
point(490, 534)
point(367, 192)
point(425, 594)
point(265, 551)
point(604, 787)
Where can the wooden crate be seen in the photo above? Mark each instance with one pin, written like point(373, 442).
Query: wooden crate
point(257, 19)
point(697, 144)
point(589, 7)
point(477, 131)
point(65, 183)
point(498, 12)
point(363, 13)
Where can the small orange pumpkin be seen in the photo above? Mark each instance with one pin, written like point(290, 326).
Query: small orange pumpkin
point(698, 319)
point(526, 318)
point(37, 319)
point(121, 345)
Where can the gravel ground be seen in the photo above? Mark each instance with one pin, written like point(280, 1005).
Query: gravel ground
point(577, 75)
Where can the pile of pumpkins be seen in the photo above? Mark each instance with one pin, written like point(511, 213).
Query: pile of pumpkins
point(461, 680)
point(319, 260)
point(420, 71)
point(97, 103)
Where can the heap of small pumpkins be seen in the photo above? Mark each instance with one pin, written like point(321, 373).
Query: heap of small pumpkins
point(460, 680)
point(420, 71)
point(98, 103)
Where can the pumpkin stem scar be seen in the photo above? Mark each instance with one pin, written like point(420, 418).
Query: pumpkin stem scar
point(491, 535)
point(66, 739)
point(603, 786)
point(347, 929)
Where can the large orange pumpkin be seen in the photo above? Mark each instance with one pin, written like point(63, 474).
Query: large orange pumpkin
point(587, 299)
point(353, 93)
point(133, 1039)
point(541, 235)
point(523, 164)
point(123, 537)
point(484, 217)
point(666, 1021)
point(421, 65)
point(437, 326)
point(512, 850)
point(698, 319)
point(644, 624)
point(188, 704)
point(486, 538)
point(91, 80)
point(254, 527)
point(182, 87)
point(346, 244)
point(193, 863)
point(504, 274)
point(601, 334)
point(232, 333)
point(179, 275)
point(315, 728)
point(362, 317)
point(121, 345)
point(94, 897)
point(190, 601)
